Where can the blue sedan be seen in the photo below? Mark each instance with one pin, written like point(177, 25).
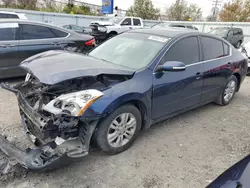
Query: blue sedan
point(126, 84)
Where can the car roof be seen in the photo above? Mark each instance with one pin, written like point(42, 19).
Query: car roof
point(35, 23)
point(166, 32)
point(6, 12)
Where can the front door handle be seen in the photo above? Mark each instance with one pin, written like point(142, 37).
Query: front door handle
point(198, 75)
point(56, 44)
point(7, 45)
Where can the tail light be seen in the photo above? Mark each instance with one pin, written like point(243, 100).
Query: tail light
point(90, 42)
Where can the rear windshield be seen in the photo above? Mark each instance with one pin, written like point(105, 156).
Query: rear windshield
point(132, 50)
point(220, 31)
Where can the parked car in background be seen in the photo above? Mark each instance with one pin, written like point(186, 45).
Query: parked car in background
point(184, 25)
point(126, 84)
point(236, 176)
point(180, 25)
point(20, 39)
point(233, 35)
point(245, 49)
point(12, 15)
point(76, 28)
point(103, 30)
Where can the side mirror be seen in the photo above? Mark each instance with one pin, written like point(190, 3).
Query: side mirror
point(171, 66)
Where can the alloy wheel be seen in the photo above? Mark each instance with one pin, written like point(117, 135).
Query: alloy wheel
point(121, 130)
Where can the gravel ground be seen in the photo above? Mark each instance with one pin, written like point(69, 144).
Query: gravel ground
point(189, 150)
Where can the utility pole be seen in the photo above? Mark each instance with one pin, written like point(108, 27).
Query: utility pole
point(216, 4)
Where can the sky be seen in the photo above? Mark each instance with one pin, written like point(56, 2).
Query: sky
point(205, 5)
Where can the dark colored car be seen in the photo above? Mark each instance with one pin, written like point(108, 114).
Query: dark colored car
point(20, 39)
point(233, 35)
point(77, 28)
point(179, 25)
point(124, 85)
point(236, 176)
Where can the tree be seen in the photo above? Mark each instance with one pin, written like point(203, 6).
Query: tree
point(27, 4)
point(85, 10)
point(7, 3)
point(181, 11)
point(144, 9)
point(236, 11)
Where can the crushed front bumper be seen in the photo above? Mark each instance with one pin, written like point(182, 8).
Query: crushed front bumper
point(46, 155)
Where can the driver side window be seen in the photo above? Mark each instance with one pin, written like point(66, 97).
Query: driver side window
point(185, 50)
point(127, 21)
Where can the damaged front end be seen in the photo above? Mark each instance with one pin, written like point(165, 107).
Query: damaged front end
point(52, 119)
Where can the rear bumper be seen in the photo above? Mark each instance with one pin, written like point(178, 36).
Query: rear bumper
point(100, 36)
point(47, 154)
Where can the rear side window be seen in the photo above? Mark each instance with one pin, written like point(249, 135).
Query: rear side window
point(240, 32)
point(59, 33)
point(226, 49)
point(211, 48)
point(8, 31)
point(190, 27)
point(137, 22)
point(30, 32)
point(3, 15)
point(185, 50)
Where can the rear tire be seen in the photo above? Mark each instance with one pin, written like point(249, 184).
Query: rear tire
point(228, 92)
point(117, 132)
point(238, 44)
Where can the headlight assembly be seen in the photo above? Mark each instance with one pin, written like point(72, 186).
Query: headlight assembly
point(74, 104)
point(102, 29)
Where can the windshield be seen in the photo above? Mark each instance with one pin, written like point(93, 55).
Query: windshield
point(161, 25)
point(115, 20)
point(132, 50)
point(220, 32)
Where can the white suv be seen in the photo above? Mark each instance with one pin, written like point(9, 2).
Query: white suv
point(13, 15)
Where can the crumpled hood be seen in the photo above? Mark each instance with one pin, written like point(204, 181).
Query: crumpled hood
point(52, 67)
point(103, 23)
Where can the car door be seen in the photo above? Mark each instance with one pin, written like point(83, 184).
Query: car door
point(217, 59)
point(174, 91)
point(35, 39)
point(126, 24)
point(9, 60)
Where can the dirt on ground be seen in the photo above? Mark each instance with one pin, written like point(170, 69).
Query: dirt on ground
point(189, 151)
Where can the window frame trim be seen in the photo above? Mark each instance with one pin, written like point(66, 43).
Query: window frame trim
point(183, 37)
point(20, 32)
point(17, 32)
point(230, 49)
point(199, 41)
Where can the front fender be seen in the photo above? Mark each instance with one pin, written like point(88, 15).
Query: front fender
point(139, 88)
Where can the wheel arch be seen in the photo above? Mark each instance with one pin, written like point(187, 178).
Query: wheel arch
point(136, 99)
point(113, 32)
point(237, 75)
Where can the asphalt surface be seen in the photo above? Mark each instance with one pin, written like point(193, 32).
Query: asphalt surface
point(188, 151)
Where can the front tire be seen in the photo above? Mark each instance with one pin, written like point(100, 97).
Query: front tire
point(117, 132)
point(229, 91)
